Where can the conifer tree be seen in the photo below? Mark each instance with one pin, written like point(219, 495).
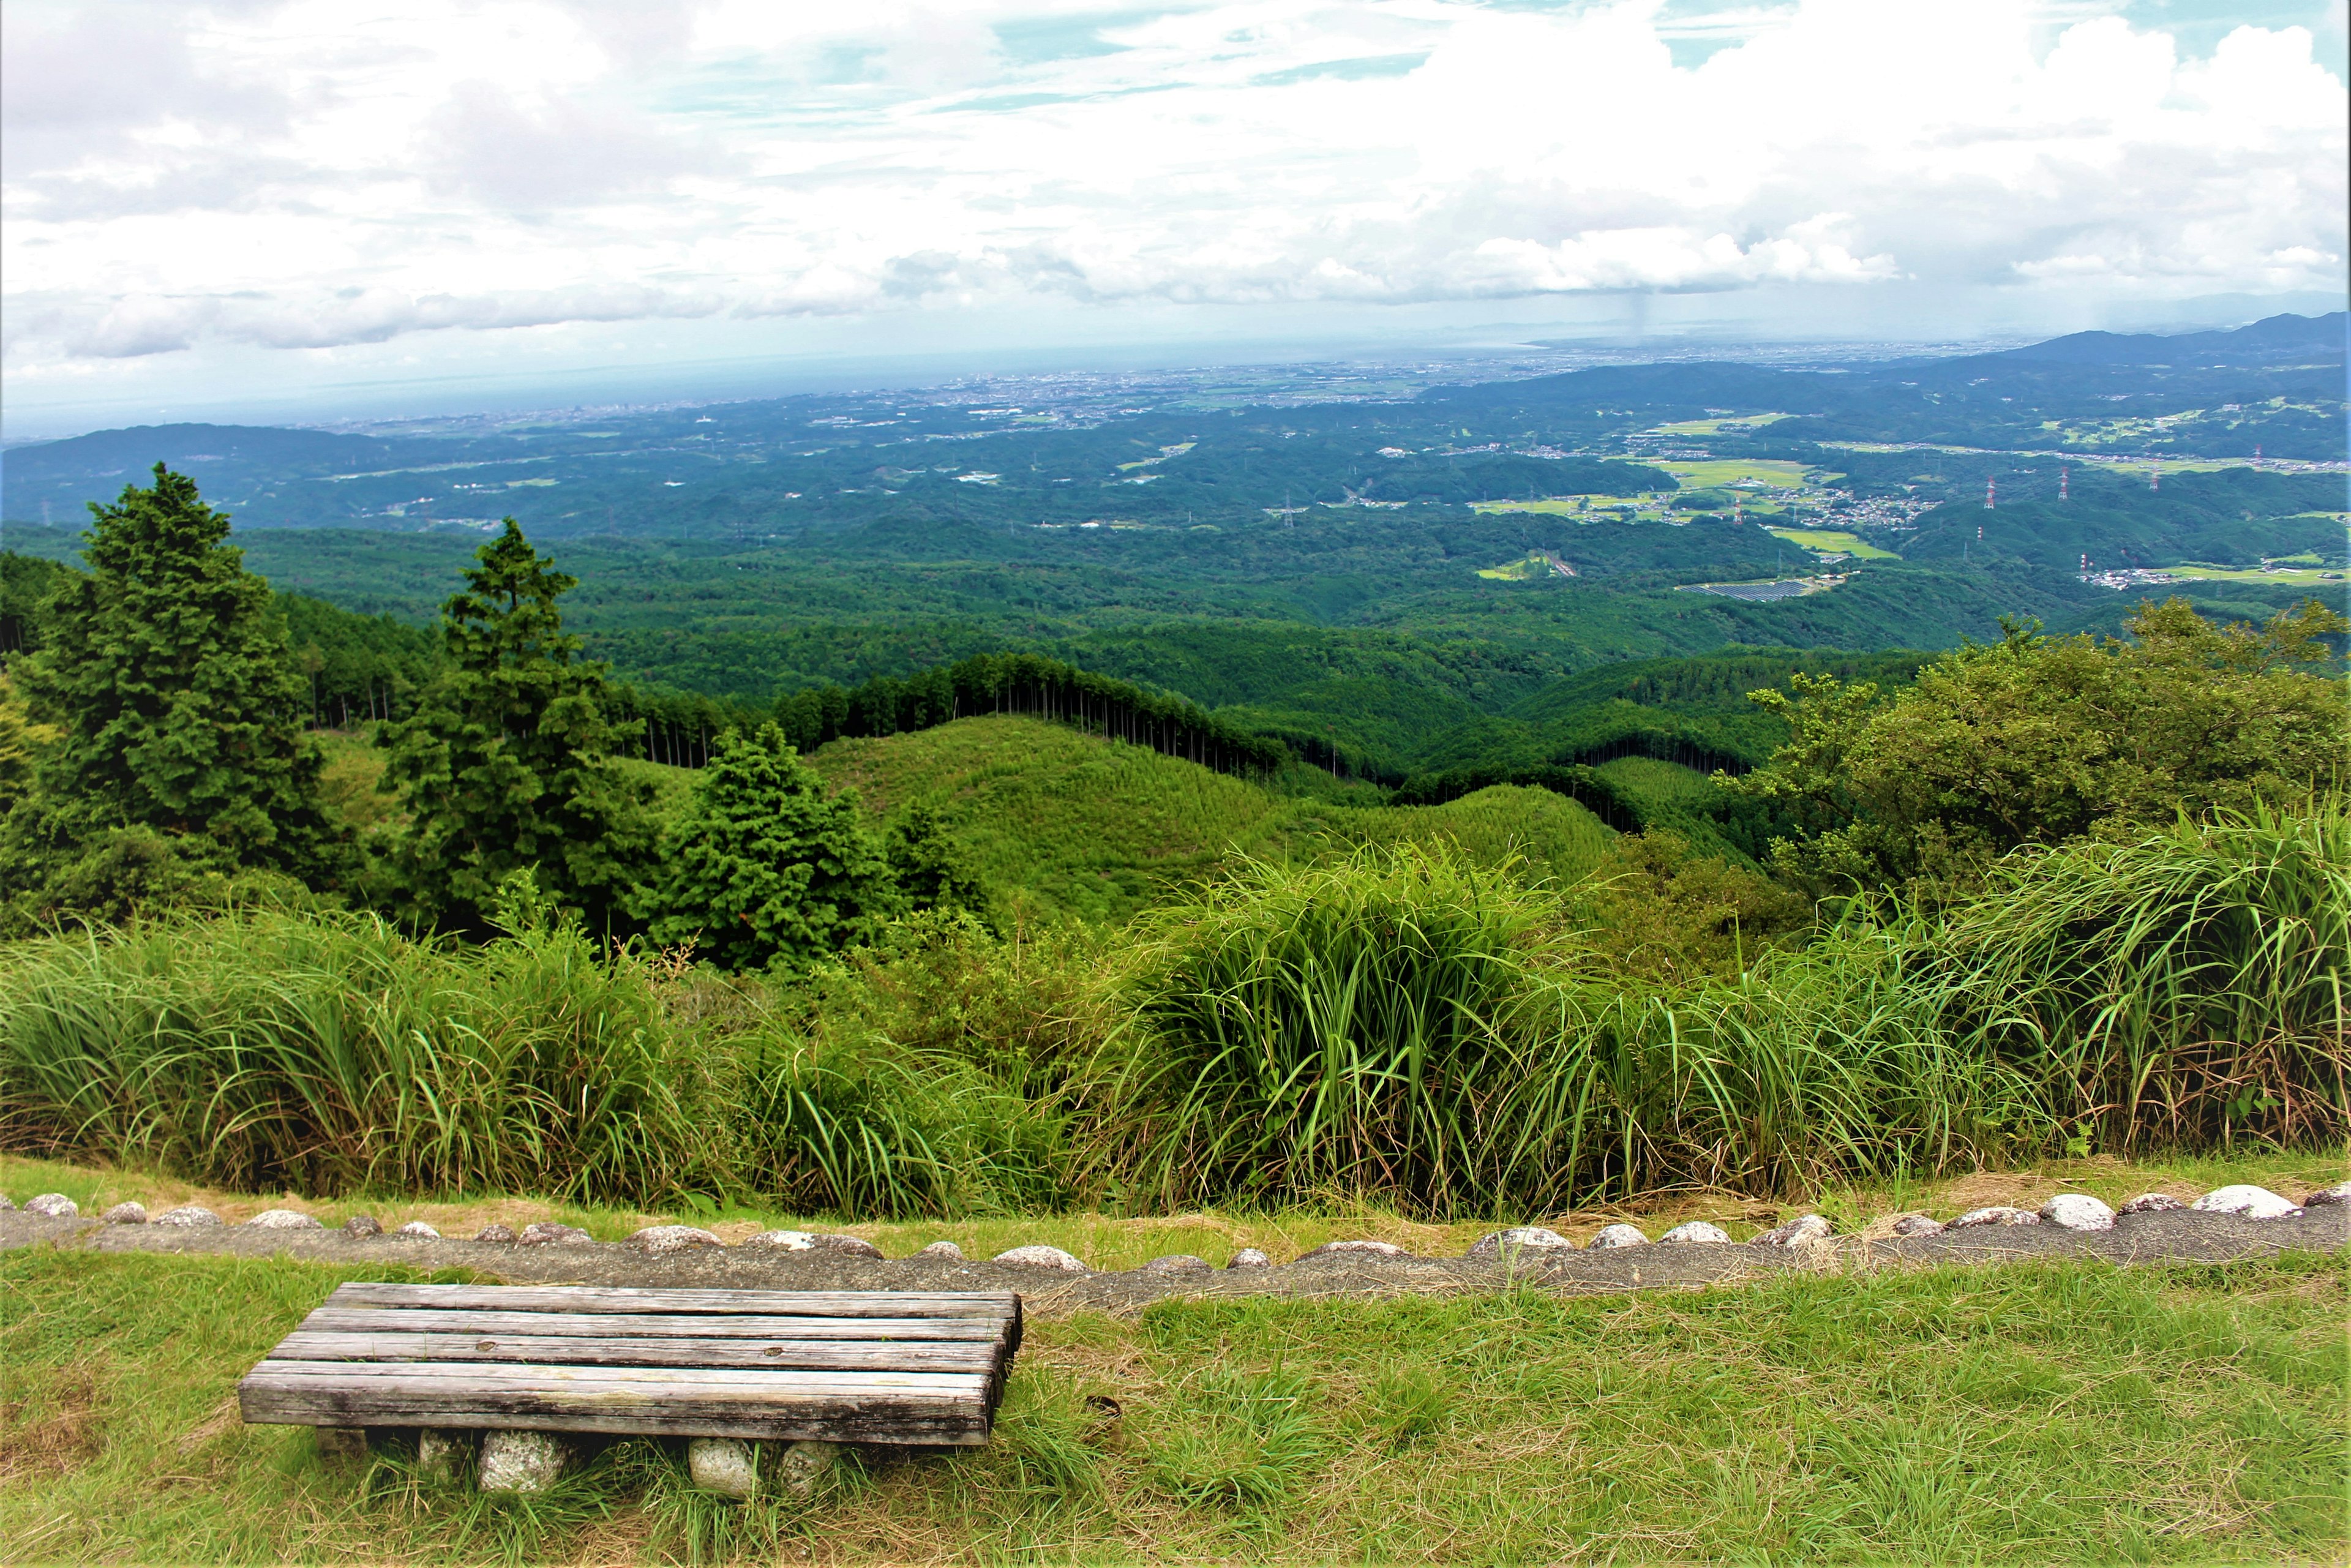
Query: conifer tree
point(506, 764)
point(765, 865)
point(177, 720)
point(929, 867)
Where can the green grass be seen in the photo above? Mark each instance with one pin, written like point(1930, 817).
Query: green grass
point(1655, 784)
point(1414, 1021)
point(2022, 1413)
point(1717, 473)
point(1826, 539)
point(2286, 577)
point(1065, 823)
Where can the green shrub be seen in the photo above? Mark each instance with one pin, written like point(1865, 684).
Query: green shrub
point(1337, 1027)
point(2188, 986)
point(331, 1053)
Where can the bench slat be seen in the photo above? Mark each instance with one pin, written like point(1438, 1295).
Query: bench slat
point(846, 1366)
point(333, 1319)
point(305, 1345)
point(630, 1298)
point(903, 1407)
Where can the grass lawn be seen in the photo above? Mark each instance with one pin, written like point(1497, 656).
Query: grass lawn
point(1827, 540)
point(1715, 474)
point(2026, 1413)
point(1714, 426)
point(2289, 577)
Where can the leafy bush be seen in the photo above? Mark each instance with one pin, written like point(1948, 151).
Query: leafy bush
point(331, 1053)
point(2034, 741)
point(1335, 1026)
point(1400, 1024)
point(2185, 986)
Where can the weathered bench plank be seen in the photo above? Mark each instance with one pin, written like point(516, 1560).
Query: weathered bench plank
point(609, 1325)
point(631, 1298)
point(684, 1402)
point(839, 1365)
point(305, 1345)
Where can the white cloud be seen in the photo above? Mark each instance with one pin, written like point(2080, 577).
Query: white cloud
point(306, 175)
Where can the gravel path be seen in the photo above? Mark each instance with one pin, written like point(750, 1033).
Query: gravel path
point(2178, 1236)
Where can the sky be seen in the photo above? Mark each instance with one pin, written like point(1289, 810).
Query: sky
point(304, 208)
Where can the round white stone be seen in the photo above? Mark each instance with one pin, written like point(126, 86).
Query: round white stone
point(442, 1451)
point(783, 1241)
point(1917, 1225)
point(1696, 1230)
point(945, 1251)
point(2252, 1202)
point(1042, 1257)
point(2077, 1211)
point(283, 1220)
point(1517, 1238)
point(53, 1205)
point(847, 1246)
point(418, 1228)
point(1618, 1236)
point(126, 1214)
point(522, 1461)
point(802, 1467)
point(1994, 1214)
point(1802, 1228)
point(188, 1214)
point(552, 1233)
point(1177, 1263)
point(2151, 1203)
point(1359, 1248)
point(2339, 1193)
point(723, 1465)
point(672, 1238)
point(1250, 1258)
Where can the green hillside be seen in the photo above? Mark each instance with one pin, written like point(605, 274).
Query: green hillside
point(1064, 823)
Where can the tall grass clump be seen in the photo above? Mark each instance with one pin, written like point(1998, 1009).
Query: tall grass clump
point(1335, 1027)
point(2186, 986)
point(331, 1053)
point(1816, 1064)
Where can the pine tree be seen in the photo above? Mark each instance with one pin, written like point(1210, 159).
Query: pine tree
point(930, 868)
point(765, 865)
point(177, 714)
point(506, 765)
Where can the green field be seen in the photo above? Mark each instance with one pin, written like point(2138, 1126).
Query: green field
point(1714, 426)
point(1583, 508)
point(1828, 539)
point(1722, 472)
point(2282, 577)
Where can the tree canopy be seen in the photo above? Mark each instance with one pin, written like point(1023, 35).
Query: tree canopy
point(2035, 739)
point(173, 717)
point(506, 763)
point(766, 865)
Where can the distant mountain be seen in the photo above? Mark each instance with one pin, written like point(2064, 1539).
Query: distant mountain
point(126, 454)
point(2278, 340)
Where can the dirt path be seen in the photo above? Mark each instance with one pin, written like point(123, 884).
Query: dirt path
point(2172, 1237)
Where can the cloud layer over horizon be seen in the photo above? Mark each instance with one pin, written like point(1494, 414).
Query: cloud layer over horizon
point(313, 176)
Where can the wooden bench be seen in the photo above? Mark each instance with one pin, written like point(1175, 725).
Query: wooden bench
point(866, 1367)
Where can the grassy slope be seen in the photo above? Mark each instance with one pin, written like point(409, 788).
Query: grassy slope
point(2028, 1413)
point(1088, 827)
point(1066, 823)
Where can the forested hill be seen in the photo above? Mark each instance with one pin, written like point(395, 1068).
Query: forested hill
point(1378, 570)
